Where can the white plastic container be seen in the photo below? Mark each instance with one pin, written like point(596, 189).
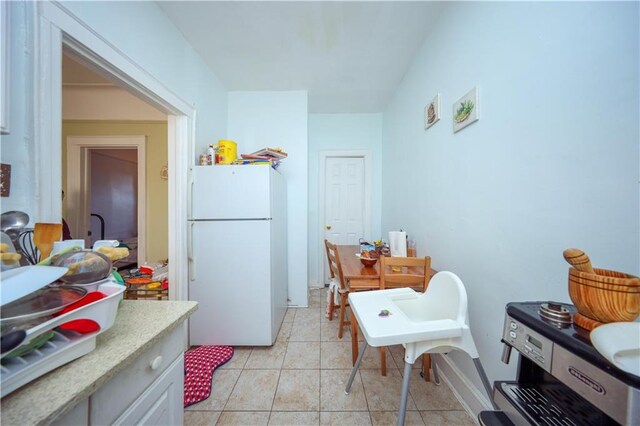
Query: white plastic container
point(65, 346)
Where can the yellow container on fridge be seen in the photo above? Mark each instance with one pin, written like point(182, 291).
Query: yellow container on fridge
point(227, 151)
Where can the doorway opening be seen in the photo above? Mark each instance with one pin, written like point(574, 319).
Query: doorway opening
point(59, 29)
point(107, 176)
point(106, 169)
point(114, 194)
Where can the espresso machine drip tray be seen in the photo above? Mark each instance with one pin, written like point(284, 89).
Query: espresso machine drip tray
point(551, 404)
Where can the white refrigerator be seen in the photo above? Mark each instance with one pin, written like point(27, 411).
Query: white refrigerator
point(237, 255)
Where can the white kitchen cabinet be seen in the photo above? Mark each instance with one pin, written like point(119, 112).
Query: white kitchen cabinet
point(78, 416)
point(161, 403)
point(149, 391)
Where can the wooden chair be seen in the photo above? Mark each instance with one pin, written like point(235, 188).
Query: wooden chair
point(414, 272)
point(336, 272)
point(333, 285)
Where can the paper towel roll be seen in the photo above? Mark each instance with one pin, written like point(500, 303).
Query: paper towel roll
point(398, 243)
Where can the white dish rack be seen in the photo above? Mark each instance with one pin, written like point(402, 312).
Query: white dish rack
point(65, 346)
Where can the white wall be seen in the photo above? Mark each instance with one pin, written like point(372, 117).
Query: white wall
point(17, 147)
point(552, 163)
point(341, 132)
point(143, 33)
point(279, 119)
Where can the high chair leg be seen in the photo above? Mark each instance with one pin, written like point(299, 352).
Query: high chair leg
point(405, 393)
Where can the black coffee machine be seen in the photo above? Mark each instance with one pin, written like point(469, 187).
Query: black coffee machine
point(561, 378)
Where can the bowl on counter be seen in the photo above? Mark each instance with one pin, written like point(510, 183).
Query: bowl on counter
point(367, 260)
point(604, 297)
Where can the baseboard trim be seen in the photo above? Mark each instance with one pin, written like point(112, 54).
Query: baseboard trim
point(472, 399)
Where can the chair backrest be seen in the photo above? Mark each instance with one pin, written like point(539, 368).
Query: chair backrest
point(326, 247)
point(447, 297)
point(412, 272)
point(335, 267)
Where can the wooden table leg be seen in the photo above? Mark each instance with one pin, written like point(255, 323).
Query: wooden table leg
point(383, 360)
point(426, 366)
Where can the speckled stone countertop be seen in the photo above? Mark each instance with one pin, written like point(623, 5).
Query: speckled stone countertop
point(139, 324)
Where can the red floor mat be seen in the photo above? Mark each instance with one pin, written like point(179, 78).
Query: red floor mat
point(199, 364)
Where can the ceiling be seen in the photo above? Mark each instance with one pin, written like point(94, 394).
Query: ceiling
point(73, 73)
point(349, 56)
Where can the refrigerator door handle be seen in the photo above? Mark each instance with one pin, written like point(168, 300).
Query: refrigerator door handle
point(190, 257)
point(190, 201)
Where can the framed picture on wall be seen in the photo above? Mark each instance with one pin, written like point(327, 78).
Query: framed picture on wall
point(432, 112)
point(465, 110)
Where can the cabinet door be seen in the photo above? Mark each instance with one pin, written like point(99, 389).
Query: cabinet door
point(162, 402)
point(111, 400)
point(77, 416)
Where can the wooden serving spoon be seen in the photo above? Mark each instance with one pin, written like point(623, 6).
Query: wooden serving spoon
point(44, 234)
point(579, 260)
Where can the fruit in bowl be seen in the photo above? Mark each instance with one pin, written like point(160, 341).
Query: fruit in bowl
point(368, 257)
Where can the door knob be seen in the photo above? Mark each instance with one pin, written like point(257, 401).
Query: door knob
point(328, 227)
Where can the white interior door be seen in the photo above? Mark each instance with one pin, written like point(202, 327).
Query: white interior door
point(345, 209)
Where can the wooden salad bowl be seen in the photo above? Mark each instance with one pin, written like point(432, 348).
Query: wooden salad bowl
point(603, 297)
point(368, 262)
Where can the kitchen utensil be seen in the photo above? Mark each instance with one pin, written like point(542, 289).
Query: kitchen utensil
point(85, 266)
point(619, 343)
point(65, 346)
point(49, 260)
point(604, 297)
point(39, 304)
point(44, 234)
point(13, 222)
point(28, 249)
point(578, 259)
point(36, 343)
point(83, 325)
point(11, 340)
point(19, 282)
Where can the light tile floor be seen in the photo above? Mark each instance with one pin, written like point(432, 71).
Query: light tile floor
point(300, 381)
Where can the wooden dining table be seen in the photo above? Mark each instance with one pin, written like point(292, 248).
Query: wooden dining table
point(358, 276)
point(362, 278)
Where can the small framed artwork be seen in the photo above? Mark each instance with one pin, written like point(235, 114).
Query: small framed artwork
point(5, 180)
point(465, 110)
point(432, 112)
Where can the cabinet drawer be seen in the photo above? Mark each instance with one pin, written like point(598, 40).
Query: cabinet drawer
point(162, 402)
point(112, 399)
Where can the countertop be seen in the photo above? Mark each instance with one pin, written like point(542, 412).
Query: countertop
point(139, 324)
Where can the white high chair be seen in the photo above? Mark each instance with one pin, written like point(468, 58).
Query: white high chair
point(434, 321)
